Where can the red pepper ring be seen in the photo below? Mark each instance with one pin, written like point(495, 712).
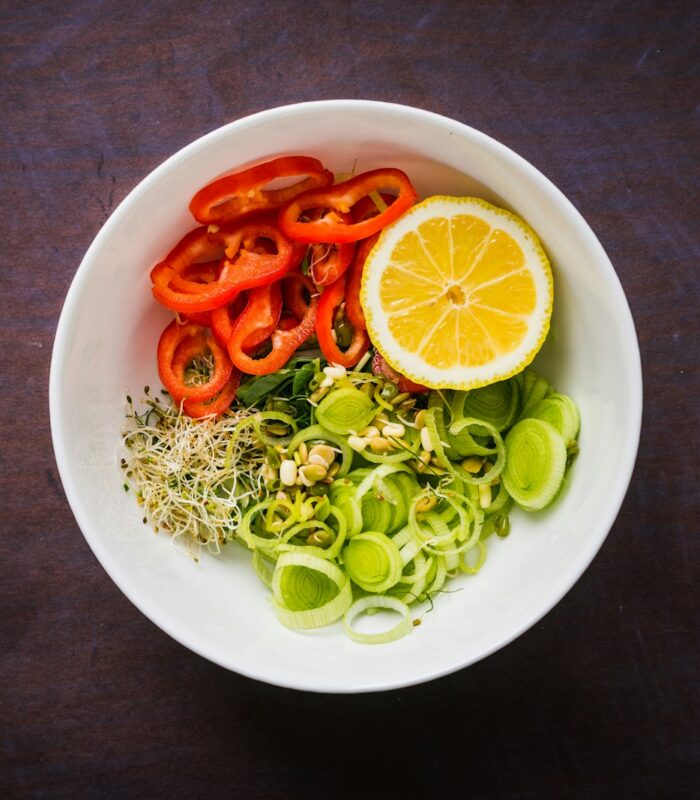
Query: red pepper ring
point(186, 351)
point(247, 270)
point(222, 319)
point(218, 404)
point(328, 306)
point(195, 246)
point(213, 294)
point(329, 261)
point(353, 308)
point(341, 198)
point(287, 322)
point(367, 208)
point(202, 318)
point(284, 342)
point(200, 274)
point(171, 367)
point(243, 192)
point(294, 291)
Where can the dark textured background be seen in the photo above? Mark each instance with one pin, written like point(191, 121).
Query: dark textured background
point(600, 699)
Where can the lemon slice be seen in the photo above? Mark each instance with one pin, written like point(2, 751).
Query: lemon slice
point(457, 293)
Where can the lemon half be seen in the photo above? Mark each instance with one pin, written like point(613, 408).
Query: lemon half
point(457, 293)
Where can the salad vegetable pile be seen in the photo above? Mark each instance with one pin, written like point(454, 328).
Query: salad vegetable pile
point(356, 487)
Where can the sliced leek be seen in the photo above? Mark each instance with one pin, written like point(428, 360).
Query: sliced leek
point(373, 561)
point(345, 411)
point(561, 412)
point(317, 433)
point(377, 602)
point(411, 504)
point(535, 463)
point(309, 592)
point(497, 404)
point(534, 388)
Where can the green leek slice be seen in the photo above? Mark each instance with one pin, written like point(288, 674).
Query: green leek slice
point(359, 607)
point(436, 430)
point(390, 458)
point(535, 463)
point(438, 579)
point(264, 567)
point(534, 389)
point(384, 494)
point(561, 412)
point(283, 420)
point(473, 566)
point(346, 411)
point(309, 592)
point(465, 426)
point(414, 579)
point(304, 528)
point(498, 404)
point(437, 537)
point(373, 561)
point(317, 433)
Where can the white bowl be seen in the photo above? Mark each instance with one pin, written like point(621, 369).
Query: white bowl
point(105, 346)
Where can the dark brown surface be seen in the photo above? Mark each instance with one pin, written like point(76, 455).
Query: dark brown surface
point(600, 698)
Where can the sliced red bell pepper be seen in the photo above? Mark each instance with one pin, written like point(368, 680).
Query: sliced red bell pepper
point(284, 342)
point(177, 346)
point(218, 404)
point(381, 367)
point(287, 322)
point(353, 309)
point(329, 304)
point(202, 318)
point(242, 269)
point(195, 246)
point(329, 261)
point(222, 319)
point(186, 351)
point(243, 192)
point(295, 290)
point(366, 208)
point(341, 198)
point(202, 271)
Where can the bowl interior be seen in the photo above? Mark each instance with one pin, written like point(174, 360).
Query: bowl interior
point(105, 347)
